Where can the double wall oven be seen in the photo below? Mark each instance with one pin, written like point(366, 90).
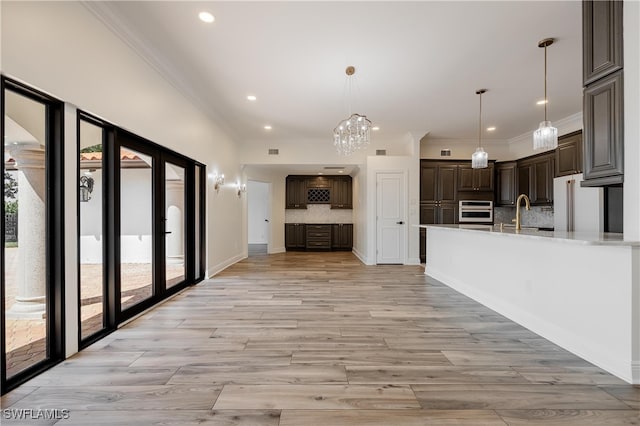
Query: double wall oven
point(475, 211)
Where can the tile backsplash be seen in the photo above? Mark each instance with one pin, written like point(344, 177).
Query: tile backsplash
point(538, 216)
point(318, 213)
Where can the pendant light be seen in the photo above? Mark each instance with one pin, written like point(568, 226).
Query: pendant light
point(546, 136)
point(352, 133)
point(480, 158)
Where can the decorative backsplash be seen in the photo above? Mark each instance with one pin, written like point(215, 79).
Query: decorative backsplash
point(318, 213)
point(538, 216)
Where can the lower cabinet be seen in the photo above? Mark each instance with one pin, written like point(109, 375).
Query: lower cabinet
point(295, 237)
point(318, 236)
point(334, 236)
point(342, 236)
point(435, 213)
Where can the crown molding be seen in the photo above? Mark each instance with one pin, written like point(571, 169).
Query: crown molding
point(105, 13)
point(572, 122)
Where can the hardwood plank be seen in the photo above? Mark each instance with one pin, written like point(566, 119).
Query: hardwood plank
point(431, 375)
point(103, 376)
point(102, 359)
point(16, 395)
point(389, 417)
point(571, 417)
point(630, 395)
point(212, 358)
point(568, 375)
point(303, 374)
point(172, 397)
point(515, 397)
point(375, 358)
point(174, 418)
point(315, 397)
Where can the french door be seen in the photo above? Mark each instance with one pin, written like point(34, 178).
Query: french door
point(152, 202)
point(32, 232)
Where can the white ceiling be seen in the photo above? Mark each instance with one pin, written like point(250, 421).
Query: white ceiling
point(418, 63)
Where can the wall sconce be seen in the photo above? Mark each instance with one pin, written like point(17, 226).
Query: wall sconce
point(86, 187)
point(218, 181)
point(241, 189)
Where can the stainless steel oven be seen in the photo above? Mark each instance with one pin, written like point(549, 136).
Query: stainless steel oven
point(475, 211)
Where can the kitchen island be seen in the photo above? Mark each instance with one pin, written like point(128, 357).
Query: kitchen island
point(578, 290)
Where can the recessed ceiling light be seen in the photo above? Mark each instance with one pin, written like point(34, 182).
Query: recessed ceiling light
point(375, 128)
point(267, 127)
point(206, 17)
point(542, 102)
point(251, 98)
point(320, 173)
point(490, 129)
point(340, 171)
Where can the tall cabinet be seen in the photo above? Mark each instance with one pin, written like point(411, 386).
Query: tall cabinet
point(603, 93)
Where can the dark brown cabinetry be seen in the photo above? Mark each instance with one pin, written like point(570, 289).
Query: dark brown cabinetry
point(569, 154)
point(535, 178)
point(470, 179)
point(438, 182)
point(318, 236)
point(303, 190)
point(506, 183)
point(296, 192)
point(341, 193)
point(603, 132)
point(295, 237)
point(342, 236)
point(603, 115)
point(601, 39)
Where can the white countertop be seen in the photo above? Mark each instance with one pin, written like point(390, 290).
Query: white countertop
point(605, 238)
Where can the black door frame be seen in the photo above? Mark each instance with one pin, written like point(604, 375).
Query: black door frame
point(54, 169)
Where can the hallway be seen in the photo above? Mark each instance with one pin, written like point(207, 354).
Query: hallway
point(320, 339)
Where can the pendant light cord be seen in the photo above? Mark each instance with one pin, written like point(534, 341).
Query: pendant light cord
point(545, 83)
point(480, 123)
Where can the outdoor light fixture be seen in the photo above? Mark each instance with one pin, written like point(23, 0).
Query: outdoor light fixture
point(218, 181)
point(546, 136)
point(354, 132)
point(86, 187)
point(241, 189)
point(480, 158)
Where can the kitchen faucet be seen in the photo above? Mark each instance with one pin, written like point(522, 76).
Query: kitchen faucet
point(528, 207)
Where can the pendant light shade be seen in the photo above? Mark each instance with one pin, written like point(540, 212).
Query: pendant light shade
point(546, 136)
point(480, 158)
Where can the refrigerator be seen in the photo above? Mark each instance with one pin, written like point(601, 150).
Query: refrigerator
point(576, 208)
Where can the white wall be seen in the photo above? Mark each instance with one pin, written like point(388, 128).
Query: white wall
point(360, 248)
point(499, 149)
point(69, 53)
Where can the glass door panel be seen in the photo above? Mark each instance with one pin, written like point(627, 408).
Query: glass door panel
point(136, 227)
point(175, 224)
point(92, 291)
point(26, 297)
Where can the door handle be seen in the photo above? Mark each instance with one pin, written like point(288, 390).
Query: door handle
point(266, 220)
point(400, 223)
point(167, 232)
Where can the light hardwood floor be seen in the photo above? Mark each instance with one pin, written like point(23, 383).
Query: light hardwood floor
point(299, 339)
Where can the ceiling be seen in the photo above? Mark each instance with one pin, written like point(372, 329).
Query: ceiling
point(418, 64)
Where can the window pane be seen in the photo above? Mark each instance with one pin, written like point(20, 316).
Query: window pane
point(25, 233)
point(136, 213)
point(174, 224)
point(91, 238)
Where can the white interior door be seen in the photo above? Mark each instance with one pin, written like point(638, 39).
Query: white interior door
point(391, 221)
point(258, 212)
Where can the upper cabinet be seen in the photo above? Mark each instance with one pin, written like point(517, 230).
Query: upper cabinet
point(304, 190)
point(296, 192)
point(506, 183)
point(470, 179)
point(341, 193)
point(569, 158)
point(603, 93)
point(603, 132)
point(601, 39)
point(438, 182)
point(535, 178)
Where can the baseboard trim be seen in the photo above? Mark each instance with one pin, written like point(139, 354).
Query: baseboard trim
point(224, 265)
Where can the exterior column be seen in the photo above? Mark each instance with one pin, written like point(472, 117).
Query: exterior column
point(175, 221)
point(31, 274)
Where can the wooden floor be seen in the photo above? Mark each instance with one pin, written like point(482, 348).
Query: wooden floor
point(302, 339)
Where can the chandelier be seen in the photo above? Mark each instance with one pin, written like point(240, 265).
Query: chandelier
point(353, 133)
point(480, 158)
point(546, 136)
